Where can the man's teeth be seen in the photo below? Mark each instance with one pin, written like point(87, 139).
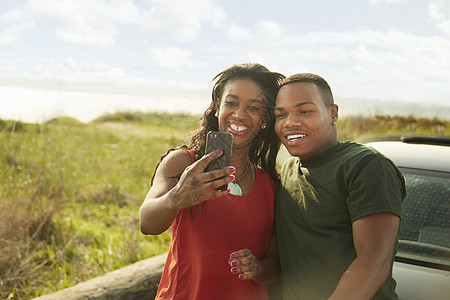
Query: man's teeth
point(295, 136)
point(237, 127)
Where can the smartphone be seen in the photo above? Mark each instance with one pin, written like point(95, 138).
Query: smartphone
point(219, 140)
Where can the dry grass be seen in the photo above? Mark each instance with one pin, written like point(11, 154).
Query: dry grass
point(352, 128)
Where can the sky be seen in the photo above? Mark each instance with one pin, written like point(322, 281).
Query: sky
point(84, 57)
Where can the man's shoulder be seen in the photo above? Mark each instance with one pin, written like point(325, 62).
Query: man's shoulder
point(361, 156)
point(357, 150)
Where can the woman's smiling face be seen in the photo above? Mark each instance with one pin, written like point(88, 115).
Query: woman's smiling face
point(242, 111)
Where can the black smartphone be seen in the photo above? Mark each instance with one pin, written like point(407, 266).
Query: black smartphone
point(219, 140)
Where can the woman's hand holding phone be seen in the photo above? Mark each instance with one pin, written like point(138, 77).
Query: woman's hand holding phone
point(196, 186)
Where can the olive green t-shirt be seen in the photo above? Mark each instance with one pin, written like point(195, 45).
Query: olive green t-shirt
point(319, 199)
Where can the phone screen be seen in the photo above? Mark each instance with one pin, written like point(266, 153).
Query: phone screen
point(219, 140)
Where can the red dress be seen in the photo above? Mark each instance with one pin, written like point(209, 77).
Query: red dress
point(204, 237)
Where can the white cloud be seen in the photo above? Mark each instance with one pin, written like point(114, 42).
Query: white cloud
point(81, 22)
point(440, 13)
point(255, 56)
point(71, 63)
point(69, 70)
point(15, 15)
point(16, 26)
point(171, 58)
point(365, 63)
point(181, 20)
point(97, 22)
point(261, 30)
point(85, 22)
point(374, 2)
point(236, 33)
point(14, 33)
point(268, 29)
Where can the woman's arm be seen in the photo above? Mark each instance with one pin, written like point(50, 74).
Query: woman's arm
point(178, 184)
point(157, 212)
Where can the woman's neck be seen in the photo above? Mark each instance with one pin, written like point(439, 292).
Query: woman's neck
point(239, 159)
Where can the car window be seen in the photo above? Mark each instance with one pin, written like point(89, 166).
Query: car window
point(424, 236)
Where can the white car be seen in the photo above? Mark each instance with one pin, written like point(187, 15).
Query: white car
point(422, 264)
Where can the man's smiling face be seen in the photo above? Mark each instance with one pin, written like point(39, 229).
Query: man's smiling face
point(304, 124)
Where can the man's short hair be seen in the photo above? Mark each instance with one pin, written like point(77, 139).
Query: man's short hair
point(321, 84)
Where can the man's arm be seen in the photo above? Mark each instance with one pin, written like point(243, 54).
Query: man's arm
point(374, 239)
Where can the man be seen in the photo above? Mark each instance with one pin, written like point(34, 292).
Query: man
point(339, 207)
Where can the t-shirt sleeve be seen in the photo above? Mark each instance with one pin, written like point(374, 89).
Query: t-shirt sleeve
point(376, 185)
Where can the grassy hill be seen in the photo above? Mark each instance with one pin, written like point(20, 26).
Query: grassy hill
point(70, 192)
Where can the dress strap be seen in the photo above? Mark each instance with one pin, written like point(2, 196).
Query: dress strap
point(191, 154)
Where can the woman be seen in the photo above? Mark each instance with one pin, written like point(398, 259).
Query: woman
point(209, 226)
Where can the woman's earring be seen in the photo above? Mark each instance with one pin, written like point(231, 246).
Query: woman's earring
point(217, 114)
point(264, 125)
point(333, 123)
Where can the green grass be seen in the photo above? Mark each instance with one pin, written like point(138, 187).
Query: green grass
point(70, 192)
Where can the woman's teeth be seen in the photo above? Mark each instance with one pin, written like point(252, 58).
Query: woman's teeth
point(238, 128)
point(295, 137)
